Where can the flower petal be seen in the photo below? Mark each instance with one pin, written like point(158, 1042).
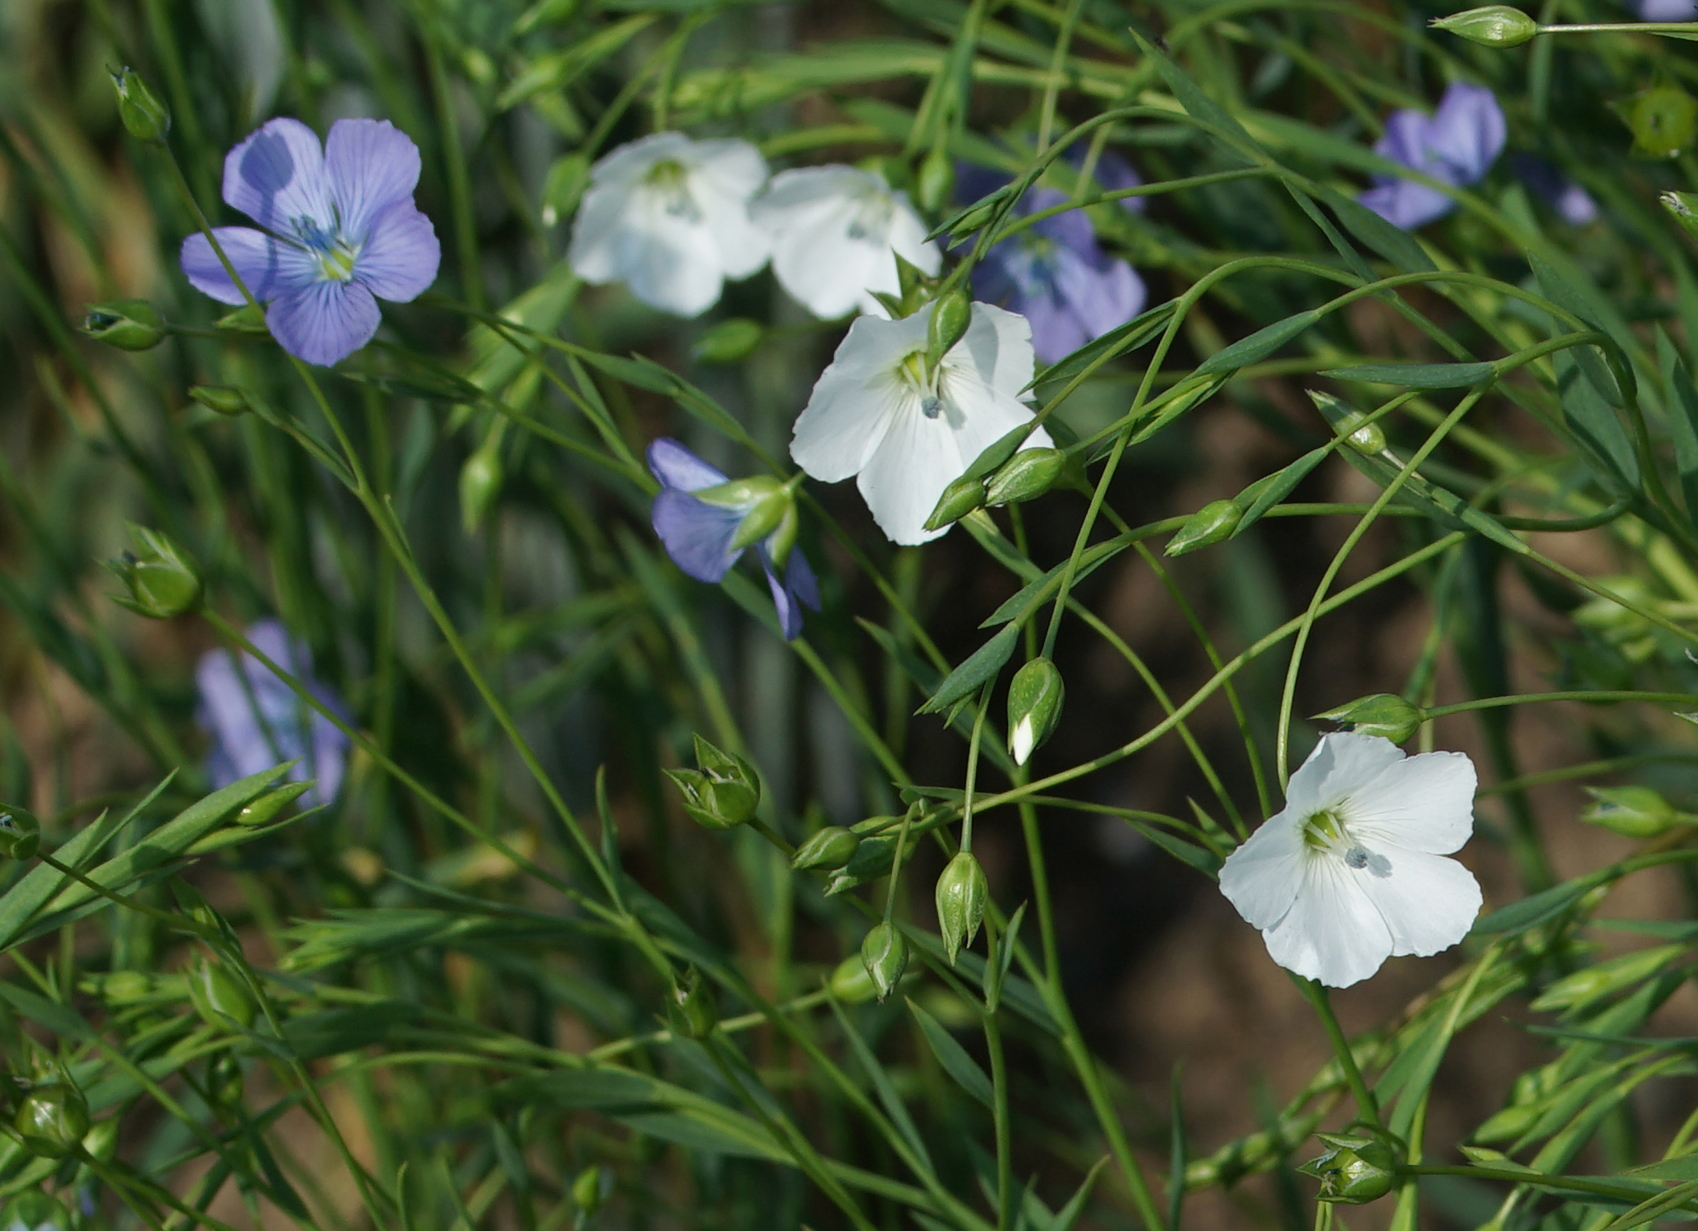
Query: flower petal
point(695, 534)
point(783, 600)
point(1428, 902)
point(1000, 346)
point(1406, 204)
point(1467, 131)
point(1405, 138)
point(676, 466)
point(401, 254)
point(1420, 803)
point(277, 175)
point(855, 399)
point(669, 262)
point(799, 579)
point(324, 321)
point(906, 474)
point(1262, 877)
point(372, 165)
point(725, 175)
point(1332, 932)
point(265, 265)
point(1340, 763)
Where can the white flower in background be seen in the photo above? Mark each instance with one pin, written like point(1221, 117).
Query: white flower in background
point(876, 412)
point(1352, 870)
point(669, 217)
point(836, 232)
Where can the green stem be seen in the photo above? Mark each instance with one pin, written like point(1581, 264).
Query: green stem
point(1318, 996)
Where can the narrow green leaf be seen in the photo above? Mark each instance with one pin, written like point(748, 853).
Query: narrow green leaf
point(1128, 337)
point(983, 664)
point(1269, 490)
point(1681, 398)
point(882, 1086)
point(1259, 345)
point(953, 1057)
point(1417, 375)
point(1531, 911)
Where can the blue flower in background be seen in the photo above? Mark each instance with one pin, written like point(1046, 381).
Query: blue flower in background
point(1572, 203)
point(698, 525)
point(1054, 273)
point(341, 231)
point(1666, 10)
point(256, 720)
point(1455, 145)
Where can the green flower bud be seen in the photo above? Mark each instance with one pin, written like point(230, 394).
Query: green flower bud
point(1214, 523)
point(948, 325)
point(1663, 120)
point(1495, 25)
point(222, 399)
point(36, 1211)
point(224, 1080)
point(128, 324)
point(831, 847)
point(767, 517)
point(961, 895)
point(563, 187)
point(935, 183)
point(959, 499)
point(590, 1188)
point(101, 1140)
point(1384, 714)
point(1583, 987)
point(1035, 695)
point(249, 318)
point(850, 982)
point(144, 116)
point(52, 1119)
point(1507, 1125)
point(161, 581)
point(885, 955)
point(1684, 207)
point(264, 810)
point(20, 832)
point(1632, 811)
point(220, 997)
point(722, 792)
point(126, 986)
point(1365, 437)
point(729, 341)
point(690, 1010)
point(1355, 1170)
point(973, 220)
point(480, 482)
point(1028, 474)
point(872, 859)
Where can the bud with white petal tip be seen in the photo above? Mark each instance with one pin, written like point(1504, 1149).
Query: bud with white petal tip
point(1384, 714)
point(961, 896)
point(1494, 25)
point(885, 954)
point(1025, 476)
point(1214, 523)
point(1035, 695)
point(128, 324)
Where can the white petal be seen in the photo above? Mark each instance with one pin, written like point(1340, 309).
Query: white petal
point(1428, 902)
point(908, 237)
point(595, 232)
point(742, 247)
point(855, 399)
point(901, 483)
point(1423, 803)
point(1262, 877)
point(631, 162)
point(999, 343)
point(1342, 762)
point(827, 272)
point(725, 175)
point(1332, 932)
point(983, 376)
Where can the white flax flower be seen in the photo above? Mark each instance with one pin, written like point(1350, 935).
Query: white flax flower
point(836, 232)
point(877, 413)
point(669, 217)
point(1352, 870)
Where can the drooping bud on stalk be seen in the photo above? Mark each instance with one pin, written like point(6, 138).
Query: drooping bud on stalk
point(959, 499)
point(961, 896)
point(1495, 25)
point(722, 792)
point(1025, 476)
point(264, 809)
point(161, 581)
point(20, 832)
point(128, 324)
point(1035, 695)
point(1384, 714)
point(219, 996)
point(52, 1119)
point(831, 847)
point(729, 341)
point(690, 1009)
point(935, 183)
point(1355, 1170)
point(144, 116)
point(1664, 121)
point(221, 399)
point(1214, 523)
point(885, 955)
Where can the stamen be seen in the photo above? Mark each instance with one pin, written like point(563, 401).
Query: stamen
point(669, 178)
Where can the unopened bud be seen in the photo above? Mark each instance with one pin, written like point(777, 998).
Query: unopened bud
point(563, 187)
point(36, 1211)
point(767, 516)
point(52, 1119)
point(249, 318)
point(885, 955)
point(831, 847)
point(935, 183)
point(1632, 811)
point(101, 1141)
point(264, 810)
point(729, 341)
point(1359, 433)
point(722, 792)
point(480, 482)
point(224, 1080)
point(690, 1010)
point(850, 982)
point(1495, 25)
point(219, 996)
point(961, 896)
point(1025, 476)
point(1035, 695)
point(1355, 1170)
point(222, 399)
point(128, 324)
point(959, 499)
point(947, 325)
point(1214, 523)
point(144, 116)
point(1508, 1124)
point(1577, 990)
point(161, 581)
point(20, 832)
point(1384, 714)
point(590, 1188)
point(1664, 121)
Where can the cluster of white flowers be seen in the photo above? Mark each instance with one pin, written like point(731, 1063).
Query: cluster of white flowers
point(672, 218)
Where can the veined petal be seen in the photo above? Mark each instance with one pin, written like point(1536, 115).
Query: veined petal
point(372, 166)
point(1467, 131)
point(695, 534)
point(676, 466)
point(1405, 138)
point(999, 344)
point(856, 398)
point(266, 265)
point(1420, 803)
point(1428, 902)
point(669, 262)
point(908, 239)
point(1406, 204)
point(799, 579)
point(276, 175)
point(1263, 876)
point(906, 474)
point(401, 254)
point(1332, 932)
point(1103, 295)
point(1341, 762)
point(323, 322)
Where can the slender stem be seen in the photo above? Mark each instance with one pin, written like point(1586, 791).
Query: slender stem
point(1317, 995)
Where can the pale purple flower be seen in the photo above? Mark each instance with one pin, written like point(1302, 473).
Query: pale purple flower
point(1666, 10)
point(1054, 273)
point(340, 232)
point(1456, 145)
point(256, 720)
point(1572, 203)
point(697, 533)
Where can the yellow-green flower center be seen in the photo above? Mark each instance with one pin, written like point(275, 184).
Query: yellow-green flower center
point(671, 179)
point(1323, 830)
point(912, 372)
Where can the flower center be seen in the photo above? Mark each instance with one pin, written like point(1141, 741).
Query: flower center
point(872, 217)
point(912, 372)
point(671, 181)
point(1326, 832)
point(336, 256)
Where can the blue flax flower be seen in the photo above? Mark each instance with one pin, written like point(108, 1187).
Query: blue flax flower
point(256, 720)
point(697, 533)
point(1666, 10)
point(1054, 273)
point(1455, 145)
point(341, 231)
point(1570, 202)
